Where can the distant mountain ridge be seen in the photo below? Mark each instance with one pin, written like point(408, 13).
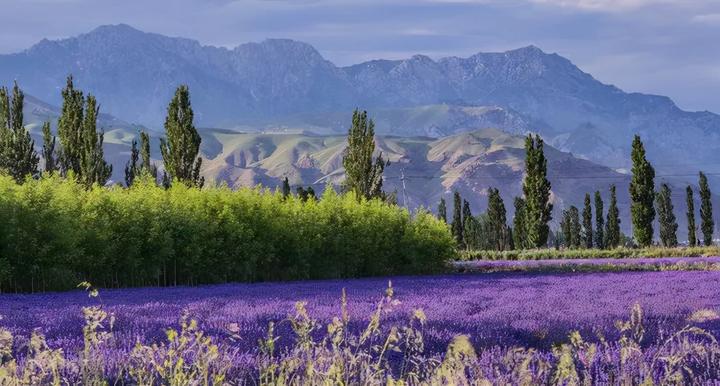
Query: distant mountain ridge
point(284, 84)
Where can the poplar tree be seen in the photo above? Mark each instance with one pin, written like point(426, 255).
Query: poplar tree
point(467, 222)
point(442, 210)
point(575, 227)
point(536, 189)
point(707, 224)
point(5, 131)
point(642, 194)
point(285, 188)
point(612, 226)
point(457, 224)
point(94, 169)
point(587, 223)
point(690, 203)
point(519, 228)
point(599, 221)
point(666, 217)
point(48, 152)
point(181, 145)
point(146, 165)
point(17, 153)
point(497, 219)
point(363, 176)
point(70, 129)
point(566, 229)
point(132, 168)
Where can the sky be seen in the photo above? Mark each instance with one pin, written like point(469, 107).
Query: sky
point(666, 47)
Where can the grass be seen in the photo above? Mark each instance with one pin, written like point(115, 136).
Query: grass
point(618, 253)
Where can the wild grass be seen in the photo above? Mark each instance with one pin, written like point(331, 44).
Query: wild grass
point(382, 352)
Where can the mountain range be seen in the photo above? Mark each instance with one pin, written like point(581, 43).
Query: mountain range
point(269, 95)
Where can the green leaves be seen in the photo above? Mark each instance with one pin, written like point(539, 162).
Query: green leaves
point(642, 194)
point(363, 176)
point(17, 150)
point(181, 146)
point(666, 217)
point(536, 190)
point(707, 224)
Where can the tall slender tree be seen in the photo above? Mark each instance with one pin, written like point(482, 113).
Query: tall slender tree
point(70, 129)
point(132, 168)
point(48, 152)
point(536, 189)
point(457, 224)
point(707, 224)
point(146, 165)
point(599, 221)
point(612, 226)
point(666, 217)
point(285, 188)
point(181, 146)
point(497, 219)
point(690, 203)
point(363, 175)
point(467, 222)
point(519, 228)
point(587, 233)
point(442, 210)
point(566, 229)
point(17, 151)
point(93, 168)
point(642, 194)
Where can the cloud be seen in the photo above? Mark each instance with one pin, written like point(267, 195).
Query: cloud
point(708, 18)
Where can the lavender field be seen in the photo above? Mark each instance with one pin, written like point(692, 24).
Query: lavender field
point(497, 312)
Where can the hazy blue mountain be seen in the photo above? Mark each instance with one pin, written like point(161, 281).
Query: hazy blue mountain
point(288, 85)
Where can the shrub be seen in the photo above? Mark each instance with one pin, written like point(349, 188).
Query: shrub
point(55, 233)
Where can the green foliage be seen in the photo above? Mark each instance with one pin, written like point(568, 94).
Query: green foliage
point(457, 223)
point(707, 224)
point(55, 232)
point(519, 228)
point(81, 145)
point(498, 233)
point(666, 217)
point(132, 168)
point(181, 146)
point(583, 253)
point(690, 203)
point(146, 165)
point(571, 228)
point(442, 210)
point(642, 194)
point(363, 177)
point(599, 222)
point(612, 226)
point(17, 149)
point(48, 152)
point(587, 232)
point(536, 191)
point(70, 129)
point(93, 168)
point(286, 188)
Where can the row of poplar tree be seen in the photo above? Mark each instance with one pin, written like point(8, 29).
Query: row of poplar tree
point(533, 211)
point(489, 231)
point(80, 149)
point(77, 149)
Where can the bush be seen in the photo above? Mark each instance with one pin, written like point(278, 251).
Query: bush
point(617, 253)
point(55, 233)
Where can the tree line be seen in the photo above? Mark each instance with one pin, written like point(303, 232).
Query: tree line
point(529, 229)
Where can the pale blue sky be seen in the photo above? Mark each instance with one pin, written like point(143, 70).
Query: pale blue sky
point(667, 47)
